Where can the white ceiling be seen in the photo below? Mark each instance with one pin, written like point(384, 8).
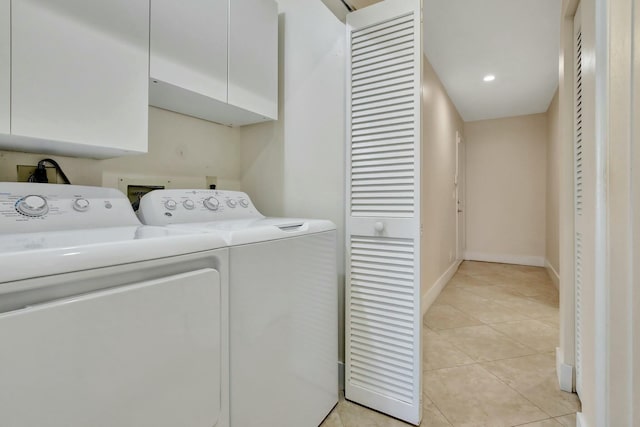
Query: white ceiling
point(516, 40)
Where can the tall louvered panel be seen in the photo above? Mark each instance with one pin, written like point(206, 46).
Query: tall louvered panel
point(583, 263)
point(383, 316)
point(579, 150)
point(383, 118)
point(381, 323)
point(578, 309)
point(578, 196)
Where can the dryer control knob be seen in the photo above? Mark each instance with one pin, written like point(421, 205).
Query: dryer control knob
point(171, 204)
point(211, 203)
point(81, 205)
point(232, 203)
point(32, 206)
point(188, 204)
point(244, 203)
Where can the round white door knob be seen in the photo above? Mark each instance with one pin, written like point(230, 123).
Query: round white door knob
point(379, 226)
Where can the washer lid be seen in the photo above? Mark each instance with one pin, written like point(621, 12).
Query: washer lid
point(29, 255)
point(245, 231)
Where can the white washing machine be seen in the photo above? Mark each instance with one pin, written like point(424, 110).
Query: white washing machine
point(105, 322)
point(283, 304)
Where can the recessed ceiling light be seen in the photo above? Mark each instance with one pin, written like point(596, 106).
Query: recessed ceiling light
point(489, 78)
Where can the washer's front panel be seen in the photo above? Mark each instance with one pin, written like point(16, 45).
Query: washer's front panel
point(148, 354)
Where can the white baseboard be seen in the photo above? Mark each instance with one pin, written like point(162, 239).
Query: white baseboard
point(555, 277)
point(580, 420)
point(564, 372)
point(341, 376)
point(536, 261)
point(430, 296)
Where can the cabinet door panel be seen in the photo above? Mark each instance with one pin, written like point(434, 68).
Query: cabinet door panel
point(80, 72)
point(189, 45)
point(5, 65)
point(253, 56)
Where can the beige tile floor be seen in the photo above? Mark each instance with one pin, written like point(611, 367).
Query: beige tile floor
point(488, 355)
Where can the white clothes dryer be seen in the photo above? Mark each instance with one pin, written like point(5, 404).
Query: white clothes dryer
point(283, 304)
point(105, 322)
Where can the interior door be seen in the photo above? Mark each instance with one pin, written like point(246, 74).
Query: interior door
point(460, 198)
point(383, 315)
point(580, 159)
point(141, 355)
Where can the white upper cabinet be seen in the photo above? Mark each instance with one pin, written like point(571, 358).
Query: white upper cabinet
point(253, 56)
point(216, 59)
point(79, 76)
point(189, 45)
point(5, 65)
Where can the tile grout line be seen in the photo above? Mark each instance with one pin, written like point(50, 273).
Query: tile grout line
point(520, 342)
point(438, 408)
point(521, 395)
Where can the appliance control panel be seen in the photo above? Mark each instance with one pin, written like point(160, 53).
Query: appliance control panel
point(163, 207)
point(27, 207)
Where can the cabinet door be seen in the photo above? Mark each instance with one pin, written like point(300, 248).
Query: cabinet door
point(80, 72)
point(5, 65)
point(189, 45)
point(253, 56)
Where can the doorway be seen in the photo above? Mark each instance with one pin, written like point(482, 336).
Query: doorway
point(460, 197)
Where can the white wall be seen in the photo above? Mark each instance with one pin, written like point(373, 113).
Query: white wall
point(506, 185)
point(552, 235)
point(180, 147)
point(295, 167)
point(440, 121)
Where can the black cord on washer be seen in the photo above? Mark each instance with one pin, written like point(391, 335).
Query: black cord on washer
point(40, 174)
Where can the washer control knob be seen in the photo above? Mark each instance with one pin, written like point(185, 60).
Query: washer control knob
point(244, 203)
point(211, 203)
point(32, 206)
point(188, 204)
point(81, 205)
point(232, 203)
point(171, 205)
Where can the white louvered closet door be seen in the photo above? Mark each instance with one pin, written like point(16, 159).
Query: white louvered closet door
point(578, 190)
point(383, 316)
point(585, 208)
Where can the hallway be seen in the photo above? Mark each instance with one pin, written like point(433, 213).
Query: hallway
point(489, 354)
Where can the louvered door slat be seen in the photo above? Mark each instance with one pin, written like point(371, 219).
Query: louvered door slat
point(395, 96)
point(380, 150)
point(392, 55)
point(382, 143)
point(376, 115)
point(388, 69)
